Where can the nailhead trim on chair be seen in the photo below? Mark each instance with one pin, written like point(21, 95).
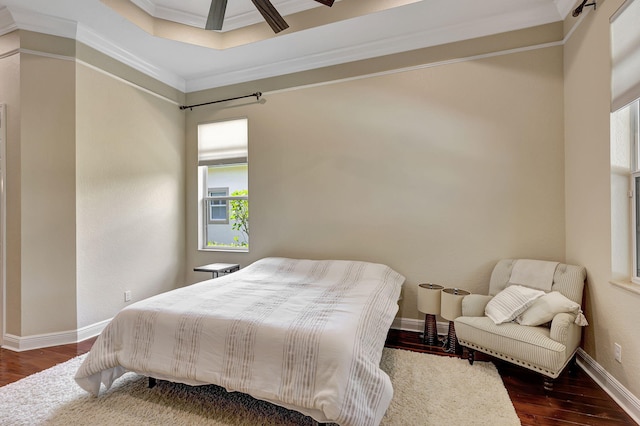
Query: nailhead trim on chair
point(534, 367)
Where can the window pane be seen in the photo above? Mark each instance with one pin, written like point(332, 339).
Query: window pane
point(218, 212)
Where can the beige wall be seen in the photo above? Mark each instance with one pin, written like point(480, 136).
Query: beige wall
point(47, 145)
point(95, 186)
point(437, 172)
point(612, 310)
point(130, 183)
point(10, 95)
point(40, 272)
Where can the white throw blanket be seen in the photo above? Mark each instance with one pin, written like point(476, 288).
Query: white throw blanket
point(306, 335)
point(536, 274)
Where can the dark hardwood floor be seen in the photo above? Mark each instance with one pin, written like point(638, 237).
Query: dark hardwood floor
point(17, 365)
point(575, 400)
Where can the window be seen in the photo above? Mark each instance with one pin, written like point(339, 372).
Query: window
point(223, 185)
point(625, 145)
point(632, 114)
point(625, 187)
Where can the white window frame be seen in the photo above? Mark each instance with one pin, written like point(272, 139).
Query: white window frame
point(230, 154)
point(635, 196)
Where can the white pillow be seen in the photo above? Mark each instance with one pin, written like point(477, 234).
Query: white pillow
point(546, 307)
point(511, 302)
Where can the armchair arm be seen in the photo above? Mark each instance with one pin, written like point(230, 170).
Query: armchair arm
point(473, 305)
point(565, 331)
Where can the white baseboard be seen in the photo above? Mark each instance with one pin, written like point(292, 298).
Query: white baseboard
point(621, 395)
point(26, 343)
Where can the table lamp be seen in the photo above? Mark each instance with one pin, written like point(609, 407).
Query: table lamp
point(451, 308)
point(429, 304)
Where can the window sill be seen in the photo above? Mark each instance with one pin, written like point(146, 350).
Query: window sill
point(226, 250)
point(626, 285)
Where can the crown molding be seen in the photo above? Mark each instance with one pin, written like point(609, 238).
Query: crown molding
point(17, 18)
point(382, 47)
point(27, 20)
point(92, 39)
point(7, 24)
point(147, 5)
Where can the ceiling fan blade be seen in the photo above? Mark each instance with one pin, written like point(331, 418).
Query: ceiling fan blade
point(271, 15)
point(326, 2)
point(216, 15)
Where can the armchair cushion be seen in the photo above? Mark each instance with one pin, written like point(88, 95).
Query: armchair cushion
point(546, 307)
point(511, 302)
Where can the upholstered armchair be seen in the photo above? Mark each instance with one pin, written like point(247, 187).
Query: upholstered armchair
point(534, 324)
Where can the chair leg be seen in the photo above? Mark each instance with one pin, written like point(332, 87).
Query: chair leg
point(573, 366)
point(471, 355)
point(548, 384)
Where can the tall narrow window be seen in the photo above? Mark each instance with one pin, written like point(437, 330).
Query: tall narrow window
point(625, 120)
point(633, 120)
point(223, 185)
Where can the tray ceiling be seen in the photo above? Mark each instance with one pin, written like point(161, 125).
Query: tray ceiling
point(165, 38)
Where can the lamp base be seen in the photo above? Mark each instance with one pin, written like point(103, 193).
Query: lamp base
point(430, 335)
point(451, 345)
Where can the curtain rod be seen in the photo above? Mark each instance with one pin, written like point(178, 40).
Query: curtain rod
point(191, 107)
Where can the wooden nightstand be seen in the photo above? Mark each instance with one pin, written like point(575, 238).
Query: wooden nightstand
point(218, 268)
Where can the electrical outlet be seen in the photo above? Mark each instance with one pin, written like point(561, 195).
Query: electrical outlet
point(127, 296)
point(618, 352)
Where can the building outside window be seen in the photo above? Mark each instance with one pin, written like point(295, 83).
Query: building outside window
point(223, 185)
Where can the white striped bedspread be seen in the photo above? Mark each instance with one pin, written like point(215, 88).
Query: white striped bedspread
point(307, 335)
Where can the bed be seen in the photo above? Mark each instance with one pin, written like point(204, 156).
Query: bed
point(307, 335)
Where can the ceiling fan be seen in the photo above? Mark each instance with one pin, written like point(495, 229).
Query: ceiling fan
point(266, 9)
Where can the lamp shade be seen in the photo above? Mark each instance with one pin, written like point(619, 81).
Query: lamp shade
point(429, 298)
point(451, 303)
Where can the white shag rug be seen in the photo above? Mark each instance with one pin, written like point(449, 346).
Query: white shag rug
point(428, 390)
